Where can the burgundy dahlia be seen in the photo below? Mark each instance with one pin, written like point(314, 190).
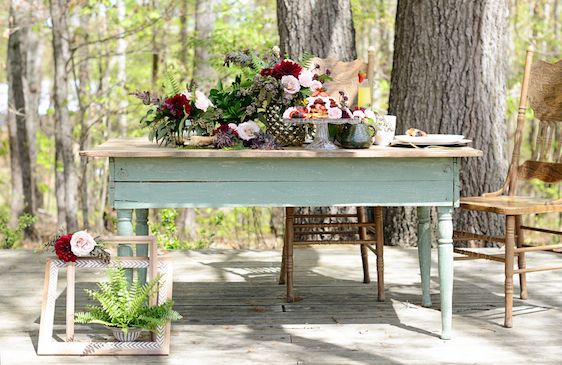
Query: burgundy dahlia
point(178, 106)
point(63, 249)
point(286, 67)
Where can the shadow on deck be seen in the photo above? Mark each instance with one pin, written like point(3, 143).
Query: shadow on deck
point(235, 313)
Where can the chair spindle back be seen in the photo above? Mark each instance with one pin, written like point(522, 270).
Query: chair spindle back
point(542, 87)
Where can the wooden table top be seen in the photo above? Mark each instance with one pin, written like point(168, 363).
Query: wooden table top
point(141, 147)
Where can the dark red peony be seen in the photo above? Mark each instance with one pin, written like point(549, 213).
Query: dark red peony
point(63, 249)
point(178, 106)
point(266, 71)
point(286, 67)
point(225, 128)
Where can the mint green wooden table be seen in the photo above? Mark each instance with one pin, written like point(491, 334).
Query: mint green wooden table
point(144, 176)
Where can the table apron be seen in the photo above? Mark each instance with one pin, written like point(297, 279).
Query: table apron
point(214, 182)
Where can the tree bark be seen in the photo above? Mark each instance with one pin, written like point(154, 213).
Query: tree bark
point(203, 72)
point(323, 28)
point(449, 76)
point(63, 126)
point(23, 98)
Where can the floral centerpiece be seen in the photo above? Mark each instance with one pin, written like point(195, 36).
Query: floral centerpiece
point(171, 115)
point(274, 85)
point(69, 247)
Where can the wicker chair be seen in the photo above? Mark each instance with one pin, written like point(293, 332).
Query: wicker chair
point(542, 84)
point(303, 229)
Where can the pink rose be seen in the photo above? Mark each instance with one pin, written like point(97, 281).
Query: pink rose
point(290, 84)
point(82, 243)
point(334, 113)
point(287, 113)
point(306, 78)
point(358, 114)
point(315, 85)
point(248, 130)
point(202, 102)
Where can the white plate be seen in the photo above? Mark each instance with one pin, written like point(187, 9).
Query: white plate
point(431, 139)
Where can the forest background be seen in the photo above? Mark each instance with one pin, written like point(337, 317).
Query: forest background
point(119, 46)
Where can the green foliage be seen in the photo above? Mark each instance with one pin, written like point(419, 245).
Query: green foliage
point(229, 101)
point(124, 306)
point(239, 227)
point(4, 147)
point(11, 237)
point(165, 229)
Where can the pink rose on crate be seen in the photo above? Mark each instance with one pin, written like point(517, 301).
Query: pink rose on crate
point(290, 84)
point(334, 113)
point(305, 78)
point(82, 243)
point(315, 85)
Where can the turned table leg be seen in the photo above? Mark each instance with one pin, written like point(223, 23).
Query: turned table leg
point(424, 253)
point(289, 231)
point(125, 228)
point(445, 239)
point(141, 229)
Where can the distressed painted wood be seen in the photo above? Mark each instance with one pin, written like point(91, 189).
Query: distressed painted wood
point(280, 170)
point(143, 176)
point(141, 147)
point(132, 195)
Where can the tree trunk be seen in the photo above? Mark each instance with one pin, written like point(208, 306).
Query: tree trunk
point(449, 76)
point(63, 126)
point(183, 32)
point(121, 60)
point(329, 32)
point(155, 50)
point(323, 28)
point(203, 72)
point(83, 93)
point(23, 99)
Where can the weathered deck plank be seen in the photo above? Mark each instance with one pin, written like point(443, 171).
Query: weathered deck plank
point(235, 313)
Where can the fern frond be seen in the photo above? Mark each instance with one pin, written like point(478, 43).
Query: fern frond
point(257, 64)
point(172, 85)
point(124, 306)
point(305, 60)
point(142, 294)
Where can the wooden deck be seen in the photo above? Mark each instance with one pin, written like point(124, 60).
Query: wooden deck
point(234, 312)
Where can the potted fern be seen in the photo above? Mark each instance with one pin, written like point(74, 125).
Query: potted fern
point(124, 308)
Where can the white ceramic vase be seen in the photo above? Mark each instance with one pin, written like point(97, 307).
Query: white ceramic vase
point(386, 130)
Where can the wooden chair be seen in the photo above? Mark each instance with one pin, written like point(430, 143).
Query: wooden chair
point(542, 85)
point(304, 229)
point(300, 231)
